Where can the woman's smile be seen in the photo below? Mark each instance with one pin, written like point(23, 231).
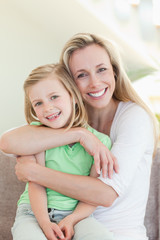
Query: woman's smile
point(97, 94)
point(93, 74)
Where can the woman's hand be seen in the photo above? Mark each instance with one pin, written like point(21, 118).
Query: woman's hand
point(24, 166)
point(103, 158)
point(67, 227)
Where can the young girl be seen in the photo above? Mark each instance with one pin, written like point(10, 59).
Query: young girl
point(53, 100)
point(115, 109)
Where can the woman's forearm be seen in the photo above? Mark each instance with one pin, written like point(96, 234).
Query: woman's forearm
point(84, 188)
point(28, 140)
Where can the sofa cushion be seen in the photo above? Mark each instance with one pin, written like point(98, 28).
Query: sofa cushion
point(11, 188)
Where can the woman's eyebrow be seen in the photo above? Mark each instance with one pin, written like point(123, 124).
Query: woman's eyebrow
point(99, 65)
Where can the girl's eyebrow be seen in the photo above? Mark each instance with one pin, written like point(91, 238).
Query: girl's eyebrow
point(52, 93)
point(35, 100)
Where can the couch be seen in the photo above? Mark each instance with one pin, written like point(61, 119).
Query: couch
point(11, 188)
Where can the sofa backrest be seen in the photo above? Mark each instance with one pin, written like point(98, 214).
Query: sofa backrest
point(11, 188)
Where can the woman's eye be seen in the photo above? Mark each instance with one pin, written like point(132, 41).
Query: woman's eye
point(101, 69)
point(81, 75)
point(54, 97)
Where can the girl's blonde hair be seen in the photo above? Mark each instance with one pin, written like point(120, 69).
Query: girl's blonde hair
point(124, 90)
point(79, 115)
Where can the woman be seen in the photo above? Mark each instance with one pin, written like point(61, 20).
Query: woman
point(113, 108)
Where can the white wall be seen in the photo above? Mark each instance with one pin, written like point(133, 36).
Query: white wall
point(33, 33)
point(23, 46)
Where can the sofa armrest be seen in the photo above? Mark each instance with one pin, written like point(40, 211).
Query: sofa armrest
point(152, 217)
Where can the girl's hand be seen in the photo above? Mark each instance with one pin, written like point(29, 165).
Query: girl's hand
point(24, 166)
point(52, 231)
point(67, 227)
point(103, 158)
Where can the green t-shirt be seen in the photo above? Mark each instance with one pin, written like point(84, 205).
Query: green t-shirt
point(72, 160)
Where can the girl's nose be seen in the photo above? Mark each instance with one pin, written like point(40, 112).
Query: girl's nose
point(48, 107)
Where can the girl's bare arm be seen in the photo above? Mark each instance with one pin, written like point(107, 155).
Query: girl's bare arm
point(28, 140)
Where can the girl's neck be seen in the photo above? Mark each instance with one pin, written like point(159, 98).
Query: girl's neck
point(101, 119)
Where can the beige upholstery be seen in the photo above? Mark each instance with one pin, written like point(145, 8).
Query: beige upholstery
point(11, 188)
point(152, 219)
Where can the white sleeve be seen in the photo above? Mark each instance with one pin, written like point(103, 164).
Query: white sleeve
point(133, 146)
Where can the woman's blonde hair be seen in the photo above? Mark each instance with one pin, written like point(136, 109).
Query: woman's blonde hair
point(79, 115)
point(124, 90)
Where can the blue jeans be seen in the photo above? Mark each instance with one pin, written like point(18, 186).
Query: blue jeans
point(26, 226)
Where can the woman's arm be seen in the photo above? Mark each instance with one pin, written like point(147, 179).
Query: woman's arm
point(84, 188)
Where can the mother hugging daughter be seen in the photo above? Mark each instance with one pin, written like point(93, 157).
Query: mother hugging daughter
point(118, 197)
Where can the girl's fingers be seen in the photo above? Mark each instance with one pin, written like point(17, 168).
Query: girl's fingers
point(58, 231)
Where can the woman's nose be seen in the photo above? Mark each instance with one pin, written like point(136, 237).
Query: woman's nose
point(94, 81)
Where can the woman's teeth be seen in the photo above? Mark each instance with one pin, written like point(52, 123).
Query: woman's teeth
point(97, 94)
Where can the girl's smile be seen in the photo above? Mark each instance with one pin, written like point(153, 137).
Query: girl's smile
point(51, 102)
point(52, 117)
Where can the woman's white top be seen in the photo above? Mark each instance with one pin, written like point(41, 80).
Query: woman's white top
point(132, 144)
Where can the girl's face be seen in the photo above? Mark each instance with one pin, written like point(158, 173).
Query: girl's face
point(93, 74)
point(51, 102)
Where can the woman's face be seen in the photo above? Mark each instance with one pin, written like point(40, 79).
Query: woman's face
point(93, 74)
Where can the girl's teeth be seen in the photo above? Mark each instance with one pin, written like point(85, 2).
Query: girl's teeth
point(97, 94)
point(54, 116)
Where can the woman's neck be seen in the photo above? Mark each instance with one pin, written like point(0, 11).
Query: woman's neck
point(101, 119)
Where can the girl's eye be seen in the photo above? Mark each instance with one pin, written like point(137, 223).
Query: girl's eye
point(101, 69)
point(54, 97)
point(38, 104)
